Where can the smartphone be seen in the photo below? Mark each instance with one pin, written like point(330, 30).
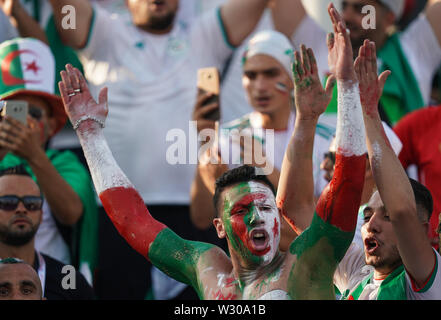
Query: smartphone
point(16, 109)
point(209, 81)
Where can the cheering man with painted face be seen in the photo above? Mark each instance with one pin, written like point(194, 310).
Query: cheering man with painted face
point(248, 216)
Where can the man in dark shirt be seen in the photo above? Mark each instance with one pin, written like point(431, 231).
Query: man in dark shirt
point(20, 216)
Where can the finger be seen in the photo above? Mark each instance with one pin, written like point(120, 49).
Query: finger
point(63, 92)
point(298, 66)
point(14, 124)
point(305, 60)
point(201, 98)
point(66, 80)
point(330, 40)
point(331, 8)
point(330, 84)
point(200, 113)
point(83, 83)
point(373, 58)
point(102, 97)
point(312, 61)
point(382, 80)
point(295, 70)
point(357, 67)
point(75, 82)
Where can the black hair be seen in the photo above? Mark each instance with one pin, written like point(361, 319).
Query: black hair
point(243, 173)
point(19, 170)
point(423, 199)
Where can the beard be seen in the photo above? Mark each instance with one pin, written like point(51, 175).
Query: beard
point(17, 238)
point(160, 23)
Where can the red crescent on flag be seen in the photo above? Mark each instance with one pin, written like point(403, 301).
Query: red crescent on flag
point(7, 77)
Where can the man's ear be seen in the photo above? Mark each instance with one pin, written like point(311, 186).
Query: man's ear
point(220, 229)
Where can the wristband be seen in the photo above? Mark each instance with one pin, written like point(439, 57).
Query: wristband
point(87, 117)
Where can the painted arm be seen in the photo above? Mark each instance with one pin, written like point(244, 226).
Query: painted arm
point(75, 38)
point(391, 179)
point(20, 19)
point(241, 17)
point(123, 204)
point(287, 15)
point(433, 12)
point(321, 247)
point(295, 193)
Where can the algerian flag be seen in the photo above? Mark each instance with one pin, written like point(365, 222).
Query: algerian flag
point(26, 64)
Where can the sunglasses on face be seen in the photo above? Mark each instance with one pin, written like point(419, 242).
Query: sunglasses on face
point(35, 112)
point(10, 202)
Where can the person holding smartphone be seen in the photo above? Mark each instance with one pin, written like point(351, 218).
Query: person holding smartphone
point(69, 206)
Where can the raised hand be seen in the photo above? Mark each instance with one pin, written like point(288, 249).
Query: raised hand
point(340, 53)
point(310, 97)
point(9, 6)
point(78, 102)
point(371, 86)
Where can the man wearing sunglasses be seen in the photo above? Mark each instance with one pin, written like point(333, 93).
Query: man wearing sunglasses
point(28, 74)
point(413, 54)
point(21, 205)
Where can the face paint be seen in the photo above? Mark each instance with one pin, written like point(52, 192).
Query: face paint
point(252, 222)
point(281, 87)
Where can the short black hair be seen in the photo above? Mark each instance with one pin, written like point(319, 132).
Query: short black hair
point(19, 170)
point(423, 199)
point(243, 173)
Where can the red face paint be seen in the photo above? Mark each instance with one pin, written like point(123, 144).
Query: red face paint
point(130, 216)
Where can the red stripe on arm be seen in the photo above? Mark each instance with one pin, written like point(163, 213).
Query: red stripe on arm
point(131, 218)
point(340, 200)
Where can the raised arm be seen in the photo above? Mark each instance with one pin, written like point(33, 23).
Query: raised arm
point(123, 204)
point(77, 37)
point(295, 193)
point(22, 21)
point(241, 17)
point(321, 247)
point(287, 15)
point(433, 12)
point(391, 179)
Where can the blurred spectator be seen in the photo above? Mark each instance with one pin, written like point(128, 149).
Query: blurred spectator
point(21, 205)
point(149, 62)
point(68, 231)
point(7, 30)
point(412, 55)
point(20, 19)
point(19, 281)
point(420, 133)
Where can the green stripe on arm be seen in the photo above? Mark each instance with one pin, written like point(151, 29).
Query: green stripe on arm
point(178, 258)
point(319, 249)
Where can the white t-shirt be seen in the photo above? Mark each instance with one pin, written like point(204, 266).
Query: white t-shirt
point(252, 123)
point(48, 239)
point(152, 95)
point(352, 270)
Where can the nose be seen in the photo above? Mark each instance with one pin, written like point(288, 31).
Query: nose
point(256, 217)
point(374, 225)
point(261, 83)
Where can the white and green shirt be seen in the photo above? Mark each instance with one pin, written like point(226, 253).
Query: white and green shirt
point(355, 280)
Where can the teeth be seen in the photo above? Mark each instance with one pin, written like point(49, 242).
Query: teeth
point(259, 235)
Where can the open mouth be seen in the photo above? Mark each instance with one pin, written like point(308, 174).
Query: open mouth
point(259, 240)
point(371, 245)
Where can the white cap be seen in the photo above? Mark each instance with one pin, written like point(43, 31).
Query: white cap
point(273, 44)
point(396, 6)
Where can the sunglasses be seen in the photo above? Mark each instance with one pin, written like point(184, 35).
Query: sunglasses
point(31, 203)
point(35, 112)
